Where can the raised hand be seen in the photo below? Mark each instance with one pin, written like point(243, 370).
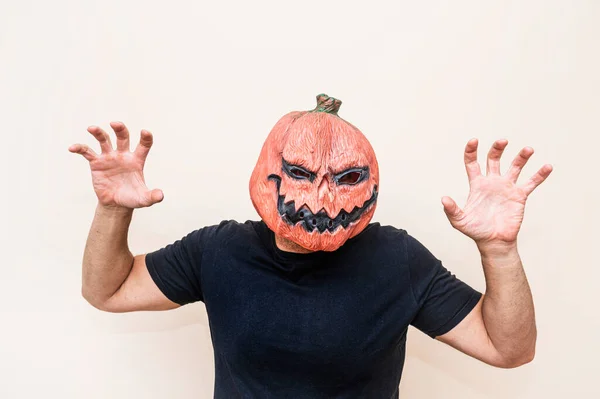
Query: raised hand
point(496, 204)
point(117, 175)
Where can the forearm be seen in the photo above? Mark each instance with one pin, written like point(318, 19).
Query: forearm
point(107, 260)
point(507, 309)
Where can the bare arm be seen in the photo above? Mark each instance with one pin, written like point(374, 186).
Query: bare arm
point(107, 260)
point(507, 308)
point(113, 279)
point(501, 329)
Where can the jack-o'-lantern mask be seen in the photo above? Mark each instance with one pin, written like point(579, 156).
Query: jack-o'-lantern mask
point(316, 179)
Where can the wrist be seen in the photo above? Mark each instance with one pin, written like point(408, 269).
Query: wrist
point(497, 249)
point(113, 210)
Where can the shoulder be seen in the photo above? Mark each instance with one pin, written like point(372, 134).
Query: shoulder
point(421, 263)
point(392, 233)
point(224, 231)
point(229, 230)
point(381, 236)
point(380, 243)
point(235, 234)
point(389, 239)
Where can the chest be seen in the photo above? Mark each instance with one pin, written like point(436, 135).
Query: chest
point(330, 323)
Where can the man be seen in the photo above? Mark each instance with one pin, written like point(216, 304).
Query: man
point(313, 300)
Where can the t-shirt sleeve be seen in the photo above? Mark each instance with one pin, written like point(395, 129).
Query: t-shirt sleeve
point(443, 300)
point(176, 268)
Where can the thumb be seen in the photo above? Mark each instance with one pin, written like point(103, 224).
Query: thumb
point(154, 196)
point(452, 210)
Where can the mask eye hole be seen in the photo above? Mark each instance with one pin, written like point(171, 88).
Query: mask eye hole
point(296, 172)
point(350, 178)
point(299, 173)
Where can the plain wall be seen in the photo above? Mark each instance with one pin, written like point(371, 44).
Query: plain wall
point(210, 79)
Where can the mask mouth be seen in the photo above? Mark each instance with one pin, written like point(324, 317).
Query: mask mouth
point(320, 220)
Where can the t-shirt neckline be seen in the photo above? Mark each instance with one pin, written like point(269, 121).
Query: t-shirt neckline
point(288, 256)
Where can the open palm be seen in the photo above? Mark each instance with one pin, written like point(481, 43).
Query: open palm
point(496, 203)
point(117, 175)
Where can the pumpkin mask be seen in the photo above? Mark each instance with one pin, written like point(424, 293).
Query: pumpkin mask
point(316, 179)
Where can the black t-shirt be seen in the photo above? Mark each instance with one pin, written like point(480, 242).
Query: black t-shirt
point(317, 325)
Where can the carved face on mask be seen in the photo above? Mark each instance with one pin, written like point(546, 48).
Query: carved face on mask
point(316, 179)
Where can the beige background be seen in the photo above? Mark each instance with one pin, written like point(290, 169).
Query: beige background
point(210, 79)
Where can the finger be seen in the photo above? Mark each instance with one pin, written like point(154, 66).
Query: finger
point(471, 164)
point(538, 178)
point(152, 197)
point(518, 164)
point(493, 159)
point(84, 150)
point(122, 135)
point(102, 137)
point(452, 210)
point(145, 144)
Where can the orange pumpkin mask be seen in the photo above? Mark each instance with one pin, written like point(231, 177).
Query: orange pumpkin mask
point(316, 179)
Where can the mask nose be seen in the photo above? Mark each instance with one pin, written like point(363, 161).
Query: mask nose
point(324, 190)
